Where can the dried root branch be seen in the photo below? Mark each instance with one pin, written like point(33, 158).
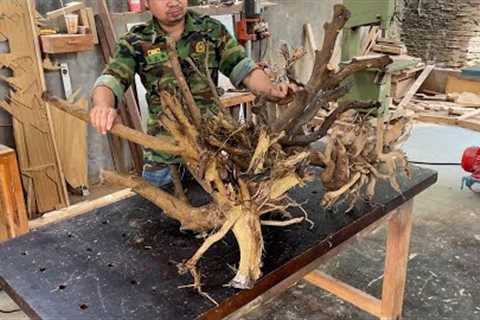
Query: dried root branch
point(248, 170)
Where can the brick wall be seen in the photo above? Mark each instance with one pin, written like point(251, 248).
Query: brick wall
point(446, 32)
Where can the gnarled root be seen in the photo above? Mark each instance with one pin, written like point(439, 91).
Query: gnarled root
point(248, 232)
point(198, 219)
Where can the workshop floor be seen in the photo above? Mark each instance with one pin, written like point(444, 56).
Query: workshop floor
point(443, 275)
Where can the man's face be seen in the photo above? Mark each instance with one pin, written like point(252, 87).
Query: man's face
point(168, 12)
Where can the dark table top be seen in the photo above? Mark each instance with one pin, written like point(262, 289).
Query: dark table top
point(119, 261)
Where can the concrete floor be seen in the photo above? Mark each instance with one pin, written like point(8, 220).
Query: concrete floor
point(443, 274)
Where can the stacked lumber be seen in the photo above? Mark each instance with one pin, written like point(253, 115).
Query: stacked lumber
point(388, 46)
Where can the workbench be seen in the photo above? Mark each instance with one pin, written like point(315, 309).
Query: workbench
point(120, 261)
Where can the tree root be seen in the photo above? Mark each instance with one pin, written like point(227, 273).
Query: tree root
point(249, 169)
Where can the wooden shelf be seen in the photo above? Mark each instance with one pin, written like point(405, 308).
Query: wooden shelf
point(66, 43)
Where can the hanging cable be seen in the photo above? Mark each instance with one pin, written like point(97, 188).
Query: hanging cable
point(9, 311)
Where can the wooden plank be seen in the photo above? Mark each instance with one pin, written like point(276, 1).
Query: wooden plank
point(39, 163)
point(5, 219)
point(116, 144)
point(71, 138)
point(388, 49)
point(303, 68)
point(469, 115)
point(466, 99)
point(401, 87)
point(66, 43)
point(129, 112)
point(396, 260)
point(80, 208)
point(70, 8)
point(345, 292)
point(234, 99)
point(459, 85)
point(371, 39)
point(92, 24)
point(84, 21)
point(13, 212)
point(418, 83)
point(449, 121)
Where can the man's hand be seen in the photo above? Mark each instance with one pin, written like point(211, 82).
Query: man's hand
point(103, 114)
point(259, 82)
point(103, 118)
point(283, 92)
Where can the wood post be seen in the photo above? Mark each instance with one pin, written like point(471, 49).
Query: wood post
point(398, 241)
point(396, 260)
point(345, 292)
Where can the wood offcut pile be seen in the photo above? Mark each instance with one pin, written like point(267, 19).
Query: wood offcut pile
point(249, 168)
point(462, 110)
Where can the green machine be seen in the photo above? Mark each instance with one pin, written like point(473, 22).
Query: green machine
point(371, 84)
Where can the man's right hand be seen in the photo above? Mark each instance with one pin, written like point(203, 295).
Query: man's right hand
point(102, 118)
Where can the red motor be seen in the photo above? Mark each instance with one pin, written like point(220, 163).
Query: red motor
point(471, 161)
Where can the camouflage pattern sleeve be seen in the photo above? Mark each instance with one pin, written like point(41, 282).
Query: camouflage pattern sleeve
point(119, 73)
point(234, 62)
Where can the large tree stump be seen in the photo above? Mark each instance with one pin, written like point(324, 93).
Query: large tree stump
point(248, 169)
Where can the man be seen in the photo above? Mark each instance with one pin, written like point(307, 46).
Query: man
point(142, 51)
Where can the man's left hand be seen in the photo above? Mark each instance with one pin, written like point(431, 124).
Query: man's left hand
point(283, 93)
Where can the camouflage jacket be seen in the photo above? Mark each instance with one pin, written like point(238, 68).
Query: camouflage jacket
point(142, 51)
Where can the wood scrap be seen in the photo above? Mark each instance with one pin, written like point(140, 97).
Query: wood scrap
point(432, 97)
point(71, 139)
point(13, 213)
point(388, 49)
point(70, 8)
point(372, 37)
point(469, 115)
point(467, 99)
point(80, 208)
point(388, 46)
point(418, 83)
point(450, 121)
